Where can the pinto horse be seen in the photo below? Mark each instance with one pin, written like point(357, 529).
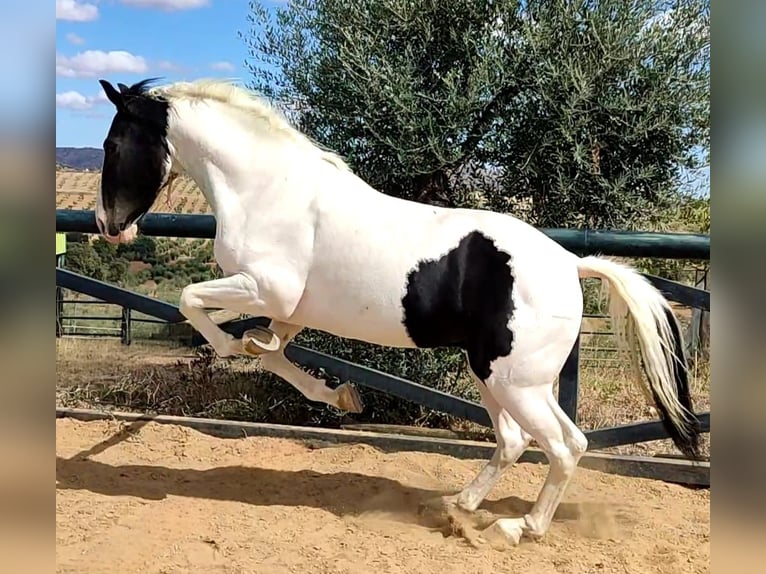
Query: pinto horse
point(305, 242)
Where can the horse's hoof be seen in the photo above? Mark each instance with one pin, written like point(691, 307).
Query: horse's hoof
point(260, 340)
point(504, 531)
point(349, 399)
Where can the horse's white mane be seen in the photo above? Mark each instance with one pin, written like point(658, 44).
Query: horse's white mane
point(251, 105)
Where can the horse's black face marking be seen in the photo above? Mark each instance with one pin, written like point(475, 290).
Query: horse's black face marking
point(463, 300)
point(135, 155)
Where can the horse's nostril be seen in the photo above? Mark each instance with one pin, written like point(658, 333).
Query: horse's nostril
point(123, 225)
point(113, 230)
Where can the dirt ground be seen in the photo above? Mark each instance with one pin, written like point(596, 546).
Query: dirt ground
point(164, 499)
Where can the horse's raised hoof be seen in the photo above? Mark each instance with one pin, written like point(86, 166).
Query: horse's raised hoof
point(260, 340)
point(349, 398)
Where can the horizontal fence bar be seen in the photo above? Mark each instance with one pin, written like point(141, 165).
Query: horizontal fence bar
point(73, 330)
point(633, 243)
point(680, 293)
point(89, 318)
point(191, 226)
point(658, 468)
point(635, 433)
point(134, 318)
point(581, 241)
point(389, 384)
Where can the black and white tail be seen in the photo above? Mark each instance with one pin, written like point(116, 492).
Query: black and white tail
point(641, 313)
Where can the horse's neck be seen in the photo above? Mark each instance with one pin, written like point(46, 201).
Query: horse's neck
point(229, 165)
point(212, 183)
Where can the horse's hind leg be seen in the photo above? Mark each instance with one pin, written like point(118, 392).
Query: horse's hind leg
point(536, 410)
point(511, 440)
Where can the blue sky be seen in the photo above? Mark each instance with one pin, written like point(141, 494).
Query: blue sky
point(128, 40)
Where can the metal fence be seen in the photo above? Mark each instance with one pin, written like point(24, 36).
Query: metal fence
point(662, 245)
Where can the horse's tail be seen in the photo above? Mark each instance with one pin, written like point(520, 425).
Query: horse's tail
point(640, 312)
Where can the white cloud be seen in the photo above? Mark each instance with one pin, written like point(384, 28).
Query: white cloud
point(73, 100)
point(73, 38)
point(75, 11)
point(94, 62)
point(222, 66)
point(167, 5)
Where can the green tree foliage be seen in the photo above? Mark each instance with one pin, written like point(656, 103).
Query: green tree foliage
point(180, 261)
point(98, 260)
point(580, 112)
point(142, 248)
point(690, 214)
point(82, 258)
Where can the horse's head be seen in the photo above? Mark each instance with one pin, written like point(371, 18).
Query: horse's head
point(137, 160)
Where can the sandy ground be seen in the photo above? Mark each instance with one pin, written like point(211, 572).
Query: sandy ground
point(166, 499)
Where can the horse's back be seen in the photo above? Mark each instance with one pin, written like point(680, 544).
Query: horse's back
point(405, 274)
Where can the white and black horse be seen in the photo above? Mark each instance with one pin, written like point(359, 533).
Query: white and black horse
point(305, 242)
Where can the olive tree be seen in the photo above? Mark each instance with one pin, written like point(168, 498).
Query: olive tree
point(581, 113)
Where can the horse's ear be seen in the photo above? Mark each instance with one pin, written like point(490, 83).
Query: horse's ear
point(123, 88)
point(112, 94)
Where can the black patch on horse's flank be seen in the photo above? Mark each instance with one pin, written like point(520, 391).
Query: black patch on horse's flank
point(463, 300)
point(135, 151)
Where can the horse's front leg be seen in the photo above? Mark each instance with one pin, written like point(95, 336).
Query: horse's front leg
point(264, 295)
point(244, 294)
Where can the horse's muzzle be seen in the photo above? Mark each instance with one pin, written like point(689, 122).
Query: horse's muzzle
point(114, 234)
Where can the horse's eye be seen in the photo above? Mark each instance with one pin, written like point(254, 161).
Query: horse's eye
point(110, 146)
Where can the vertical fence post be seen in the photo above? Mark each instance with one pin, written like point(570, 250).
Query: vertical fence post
point(59, 312)
point(125, 326)
point(569, 382)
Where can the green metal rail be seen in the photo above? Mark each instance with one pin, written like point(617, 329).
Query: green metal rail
point(580, 241)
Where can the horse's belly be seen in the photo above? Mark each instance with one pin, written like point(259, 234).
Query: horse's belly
point(357, 310)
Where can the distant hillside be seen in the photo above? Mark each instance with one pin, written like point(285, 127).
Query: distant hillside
point(89, 158)
point(77, 189)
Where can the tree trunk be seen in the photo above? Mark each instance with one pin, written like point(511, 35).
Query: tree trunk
point(433, 188)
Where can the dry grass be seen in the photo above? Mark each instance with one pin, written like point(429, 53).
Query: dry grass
point(157, 378)
point(181, 381)
point(608, 397)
